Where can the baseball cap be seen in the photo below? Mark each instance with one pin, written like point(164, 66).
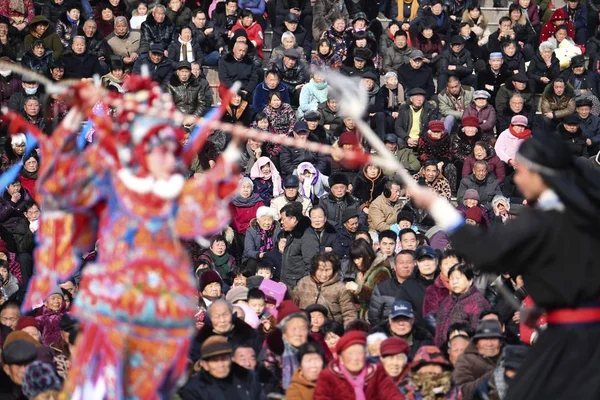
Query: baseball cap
point(401, 308)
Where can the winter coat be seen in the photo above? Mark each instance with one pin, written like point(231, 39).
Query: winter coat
point(394, 57)
point(479, 28)
point(328, 117)
point(261, 96)
point(78, 66)
point(299, 251)
point(486, 189)
point(442, 24)
point(378, 272)
point(504, 117)
point(495, 166)
point(404, 121)
point(448, 57)
point(53, 11)
point(252, 242)
point(549, 27)
point(280, 201)
point(181, 18)
point(337, 40)
point(232, 70)
point(447, 101)
point(66, 31)
point(50, 38)
point(416, 339)
point(331, 61)
point(238, 114)
point(281, 120)
point(471, 370)
point(41, 65)
point(126, 45)
point(8, 86)
point(390, 290)
point(434, 296)
point(588, 80)
point(591, 128)
point(383, 214)
point(578, 18)
point(430, 46)
point(412, 78)
point(153, 32)
point(241, 381)
point(507, 145)
point(464, 308)
point(332, 385)
point(254, 33)
point(241, 216)
point(331, 294)
point(432, 149)
point(488, 78)
point(486, 117)
point(193, 97)
point(293, 76)
point(11, 213)
point(160, 73)
point(278, 53)
point(324, 14)
point(311, 95)
point(300, 388)
point(303, 45)
point(575, 141)
point(366, 189)
point(538, 69)
point(505, 93)
point(226, 273)
point(291, 157)
point(408, 159)
point(175, 55)
point(12, 286)
point(335, 208)
point(242, 333)
point(561, 107)
point(49, 324)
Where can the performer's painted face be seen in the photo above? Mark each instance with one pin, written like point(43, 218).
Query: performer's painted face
point(161, 160)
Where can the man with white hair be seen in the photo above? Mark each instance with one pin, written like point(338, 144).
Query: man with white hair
point(123, 42)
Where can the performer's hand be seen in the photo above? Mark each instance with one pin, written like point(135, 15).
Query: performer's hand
point(529, 316)
point(421, 197)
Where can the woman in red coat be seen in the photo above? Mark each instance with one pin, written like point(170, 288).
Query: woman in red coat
point(29, 173)
point(351, 377)
point(559, 17)
point(436, 293)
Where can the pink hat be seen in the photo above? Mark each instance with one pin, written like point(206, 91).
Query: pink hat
point(519, 120)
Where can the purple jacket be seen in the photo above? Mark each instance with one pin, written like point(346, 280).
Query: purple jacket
point(465, 308)
point(487, 114)
point(434, 295)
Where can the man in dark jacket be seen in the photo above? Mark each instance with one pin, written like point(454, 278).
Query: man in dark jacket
point(10, 83)
point(572, 134)
point(191, 96)
point(219, 377)
point(415, 74)
point(81, 63)
point(322, 229)
point(292, 24)
point(493, 76)
point(503, 34)
point(484, 183)
point(225, 19)
point(346, 233)
point(316, 131)
point(584, 82)
point(398, 54)
point(358, 63)
point(376, 114)
point(12, 205)
point(578, 15)
point(330, 119)
point(301, 245)
point(291, 157)
point(590, 125)
point(456, 60)
point(293, 72)
point(237, 66)
point(406, 127)
point(157, 29)
point(338, 199)
point(160, 67)
point(517, 83)
point(205, 33)
point(15, 357)
point(272, 83)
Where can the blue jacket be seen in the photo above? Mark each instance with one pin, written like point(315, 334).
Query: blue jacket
point(160, 73)
point(579, 19)
point(261, 96)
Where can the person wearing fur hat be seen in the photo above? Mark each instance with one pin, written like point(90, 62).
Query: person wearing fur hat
point(351, 376)
point(430, 376)
point(261, 234)
point(338, 199)
point(509, 140)
point(210, 288)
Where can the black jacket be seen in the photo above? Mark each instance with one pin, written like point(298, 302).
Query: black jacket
point(223, 23)
point(193, 97)
point(79, 66)
point(180, 18)
point(53, 11)
point(293, 76)
point(282, 9)
point(175, 51)
point(327, 237)
point(538, 69)
point(404, 121)
point(335, 208)
point(448, 57)
point(11, 213)
point(575, 141)
point(341, 247)
point(241, 384)
point(588, 80)
point(505, 115)
point(153, 33)
point(301, 247)
point(208, 43)
point(487, 77)
point(160, 73)
point(39, 64)
point(291, 157)
point(232, 70)
point(419, 336)
point(412, 78)
point(300, 35)
point(242, 333)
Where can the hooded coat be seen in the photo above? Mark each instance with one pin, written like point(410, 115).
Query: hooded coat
point(50, 38)
point(549, 27)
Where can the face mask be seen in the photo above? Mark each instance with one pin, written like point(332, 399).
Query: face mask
point(31, 91)
point(5, 73)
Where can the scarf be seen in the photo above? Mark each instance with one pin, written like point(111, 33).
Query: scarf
point(256, 173)
point(239, 201)
point(306, 189)
point(431, 385)
point(186, 53)
point(266, 239)
point(72, 21)
point(523, 135)
point(17, 6)
point(445, 281)
point(289, 363)
point(414, 7)
point(357, 383)
point(221, 265)
point(28, 175)
point(392, 99)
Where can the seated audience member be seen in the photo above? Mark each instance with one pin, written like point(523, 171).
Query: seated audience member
point(431, 176)
point(238, 66)
point(543, 67)
point(516, 107)
point(558, 101)
point(484, 183)
point(384, 209)
point(453, 100)
point(485, 114)
point(572, 134)
point(291, 157)
point(281, 115)
point(338, 199)
point(405, 155)
point(436, 293)
point(509, 140)
point(293, 72)
point(312, 94)
point(185, 47)
point(368, 185)
point(253, 30)
point(38, 58)
point(123, 42)
point(493, 76)
point(290, 194)
point(288, 41)
point(81, 63)
point(325, 57)
point(430, 375)
point(590, 124)
point(157, 29)
point(262, 92)
point(559, 17)
point(414, 117)
point(398, 54)
point(417, 75)
point(191, 95)
point(205, 32)
point(429, 43)
point(585, 82)
point(483, 151)
point(435, 145)
point(577, 13)
point(160, 67)
point(40, 29)
point(457, 61)
point(516, 84)
point(68, 24)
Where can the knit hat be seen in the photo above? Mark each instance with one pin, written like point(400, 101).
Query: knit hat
point(429, 355)
point(470, 121)
point(26, 321)
point(208, 277)
point(519, 120)
point(394, 345)
point(471, 194)
point(436, 126)
point(215, 346)
point(349, 213)
point(475, 214)
point(337, 178)
point(237, 294)
point(288, 310)
point(348, 138)
point(350, 338)
point(39, 377)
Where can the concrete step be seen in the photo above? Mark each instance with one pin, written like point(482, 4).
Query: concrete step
point(494, 14)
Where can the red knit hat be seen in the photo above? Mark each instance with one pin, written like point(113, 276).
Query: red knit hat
point(436, 126)
point(394, 345)
point(287, 308)
point(24, 322)
point(470, 121)
point(350, 338)
point(475, 214)
point(348, 138)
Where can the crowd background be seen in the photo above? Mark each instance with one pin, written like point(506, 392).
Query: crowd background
point(329, 283)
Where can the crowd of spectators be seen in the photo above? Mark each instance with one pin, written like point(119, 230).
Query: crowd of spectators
point(329, 283)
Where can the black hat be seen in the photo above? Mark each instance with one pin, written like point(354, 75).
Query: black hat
point(67, 323)
point(292, 53)
point(349, 213)
point(254, 281)
point(370, 75)
point(520, 77)
point(312, 115)
point(572, 119)
point(337, 178)
point(390, 138)
point(183, 64)
point(425, 252)
point(208, 277)
point(578, 61)
point(291, 17)
point(416, 91)
point(291, 181)
point(116, 63)
point(317, 307)
point(457, 39)
point(514, 356)
point(300, 127)
point(19, 352)
point(488, 329)
point(157, 48)
point(362, 54)
point(584, 102)
point(73, 5)
point(360, 15)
